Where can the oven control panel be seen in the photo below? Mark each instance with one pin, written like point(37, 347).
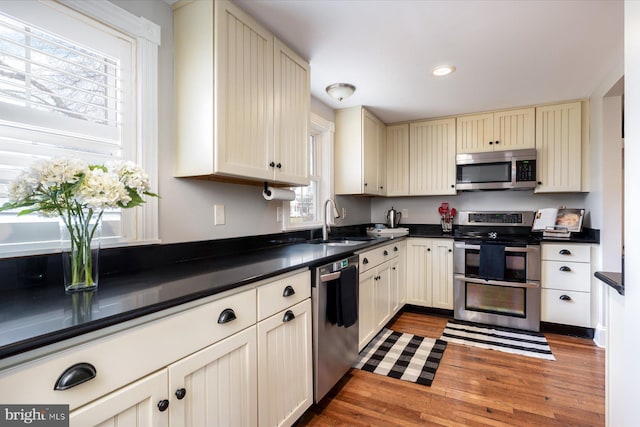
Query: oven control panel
point(522, 218)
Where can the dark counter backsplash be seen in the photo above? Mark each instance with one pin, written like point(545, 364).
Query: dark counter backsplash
point(45, 270)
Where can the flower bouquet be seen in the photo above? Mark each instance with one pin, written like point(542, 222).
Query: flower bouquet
point(446, 217)
point(78, 193)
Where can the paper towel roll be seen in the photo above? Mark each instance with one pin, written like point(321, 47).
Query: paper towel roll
point(278, 194)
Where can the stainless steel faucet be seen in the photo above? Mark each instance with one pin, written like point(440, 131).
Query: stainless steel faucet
point(325, 225)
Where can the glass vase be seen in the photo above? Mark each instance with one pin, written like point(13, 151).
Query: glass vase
point(80, 238)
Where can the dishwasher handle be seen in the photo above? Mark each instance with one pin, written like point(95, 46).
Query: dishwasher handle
point(330, 276)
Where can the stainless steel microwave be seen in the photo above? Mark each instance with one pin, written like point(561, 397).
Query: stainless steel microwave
point(496, 170)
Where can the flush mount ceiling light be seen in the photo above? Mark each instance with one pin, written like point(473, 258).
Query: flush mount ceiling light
point(443, 70)
point(340, 91)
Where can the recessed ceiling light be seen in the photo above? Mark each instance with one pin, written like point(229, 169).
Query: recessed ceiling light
point(443, 70)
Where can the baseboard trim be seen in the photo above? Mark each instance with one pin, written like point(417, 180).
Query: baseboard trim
point(574, 331)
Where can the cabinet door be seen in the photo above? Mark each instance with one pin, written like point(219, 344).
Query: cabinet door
point(243, 90)
point(370, 144)
point(135, 405)
point(382, 296)
point(366, 307)
point(474, 133)
point(395, 284)
point(220, 384)
point(292, 105)
point(440, 275)
point(514, 129)
point(285, 366)
point(418, 256)
point(397, 157)
point(559, 146)
point(402, 273)
point(432, 168)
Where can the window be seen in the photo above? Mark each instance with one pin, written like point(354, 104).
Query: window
point(306, 210)
point(73, 86)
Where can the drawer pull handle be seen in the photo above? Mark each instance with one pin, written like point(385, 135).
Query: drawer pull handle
point(75, 375)
point(385, 253)
point(565, 298)
point(565, 268)
point(226, 316)
point(365, 261)
point(565, 252)
point(163, 405)
point(288, 316)
point(288, 291)
point(181, 393)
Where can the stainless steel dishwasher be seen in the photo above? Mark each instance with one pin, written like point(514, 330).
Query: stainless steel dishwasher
point(335, 348)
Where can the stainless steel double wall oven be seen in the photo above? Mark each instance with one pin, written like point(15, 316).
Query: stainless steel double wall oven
point(497, 270)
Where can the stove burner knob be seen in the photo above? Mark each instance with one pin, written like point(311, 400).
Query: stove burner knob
point(493, 235)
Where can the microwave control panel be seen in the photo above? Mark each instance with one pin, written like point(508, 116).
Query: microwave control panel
point(525, 170)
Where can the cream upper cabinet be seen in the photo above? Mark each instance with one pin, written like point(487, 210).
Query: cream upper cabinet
point(397, 160)
point(359, 159)
point(241, 97)
point(432, 170)
point(560, 136)
point(500, 130)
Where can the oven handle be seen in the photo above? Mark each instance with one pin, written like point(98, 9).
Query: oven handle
point(496, 282)
point(506, 249)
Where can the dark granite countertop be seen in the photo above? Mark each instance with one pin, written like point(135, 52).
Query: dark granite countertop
point(35, 316)
point(615, 280)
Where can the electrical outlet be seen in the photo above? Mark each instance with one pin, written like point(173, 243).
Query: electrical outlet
point(344, 213)
point(218, 214)
point(405, 213)
point(279, 214)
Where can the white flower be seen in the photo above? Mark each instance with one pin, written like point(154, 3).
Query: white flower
point(54, 173)
point(131, 175)
point(100, 190)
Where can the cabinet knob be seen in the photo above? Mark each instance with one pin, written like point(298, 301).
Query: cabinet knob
point(288, 291)
point(497, 142)
point(75, 375)
point(490, 142)
point(226, 316)
point(163, 405)
point(279, 165)
point(428, 249)
point(365, 261)
point(181, 393)
point(272, 164)
point(453, 186)
point(365, 184)
point(450, 250)
point(565, 268)
point(564, 252)
point(565, 298)
point(382, 187)
point(539, 182)
point(395, 249)
point(288, 316)
point(385, 253)
point(393, 268)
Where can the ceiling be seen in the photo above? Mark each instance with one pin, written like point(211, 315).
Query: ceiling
point(507, 53)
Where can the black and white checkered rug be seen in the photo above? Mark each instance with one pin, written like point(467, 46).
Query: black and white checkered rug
point(403, 356)
point(515, 341)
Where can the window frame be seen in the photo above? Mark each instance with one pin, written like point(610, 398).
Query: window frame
point(141, 223)
point(323, 131)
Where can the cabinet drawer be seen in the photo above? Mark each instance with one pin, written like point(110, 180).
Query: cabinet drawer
point(556, 308)
point(126, 356)
point(566, 252)
point(377, 256)
point(283, 293)
point(572, 276)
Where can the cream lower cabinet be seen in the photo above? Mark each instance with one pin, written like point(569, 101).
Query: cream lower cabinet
point(566, 279)
point(380, 290)
point(197, 365)
point(430, 272)
point(285, 371)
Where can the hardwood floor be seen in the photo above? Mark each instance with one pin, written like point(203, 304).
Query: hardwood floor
point(475, 387)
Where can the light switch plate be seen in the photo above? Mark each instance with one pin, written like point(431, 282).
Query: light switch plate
point(405, 213)
point(218, 214)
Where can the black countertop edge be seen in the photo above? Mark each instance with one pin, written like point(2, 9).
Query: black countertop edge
point(615, 280)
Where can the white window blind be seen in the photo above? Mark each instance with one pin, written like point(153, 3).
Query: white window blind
point(67, 89)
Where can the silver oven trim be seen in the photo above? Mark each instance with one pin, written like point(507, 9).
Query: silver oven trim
point(497, 282)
